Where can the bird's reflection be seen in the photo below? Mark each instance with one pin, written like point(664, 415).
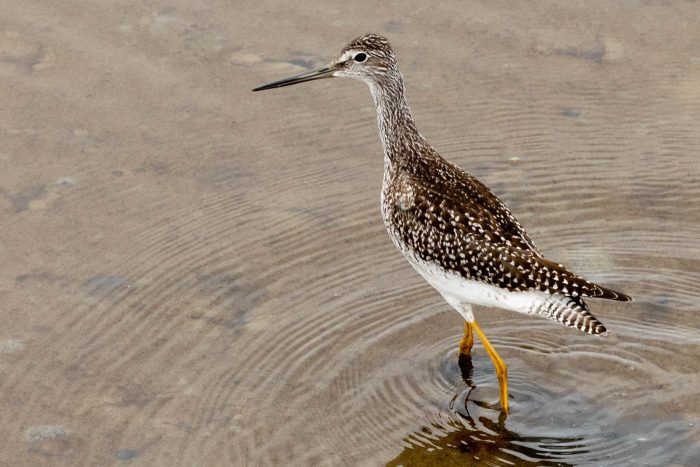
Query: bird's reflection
point(481, 436)
point(467, 369)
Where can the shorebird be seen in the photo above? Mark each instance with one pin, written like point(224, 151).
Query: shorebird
point(450, 227)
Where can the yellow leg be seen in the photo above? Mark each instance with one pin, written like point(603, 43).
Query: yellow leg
point(465, 345)
point(498, 363)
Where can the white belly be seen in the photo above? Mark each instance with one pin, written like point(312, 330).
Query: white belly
point(461, 293)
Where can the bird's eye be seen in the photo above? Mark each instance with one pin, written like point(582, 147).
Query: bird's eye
point(361, 57)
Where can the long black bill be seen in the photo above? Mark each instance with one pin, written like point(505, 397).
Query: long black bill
point(318, 73)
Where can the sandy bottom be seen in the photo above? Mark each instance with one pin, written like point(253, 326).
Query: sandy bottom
point(195, 274)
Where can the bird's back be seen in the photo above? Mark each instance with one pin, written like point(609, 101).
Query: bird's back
point(448, 221)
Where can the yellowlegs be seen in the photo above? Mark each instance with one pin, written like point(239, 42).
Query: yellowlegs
point(452, 229)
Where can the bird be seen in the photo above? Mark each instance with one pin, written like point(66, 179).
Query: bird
point(451, 228)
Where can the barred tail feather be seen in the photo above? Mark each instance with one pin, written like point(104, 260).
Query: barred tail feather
point(572, 312)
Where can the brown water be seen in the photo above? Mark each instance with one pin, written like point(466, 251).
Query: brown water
point(194, 274)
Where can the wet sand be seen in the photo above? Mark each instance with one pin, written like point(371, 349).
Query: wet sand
point(194, 274)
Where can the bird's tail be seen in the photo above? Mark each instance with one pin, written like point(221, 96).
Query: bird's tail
point(573, 312)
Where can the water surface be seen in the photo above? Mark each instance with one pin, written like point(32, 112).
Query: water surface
point(194, 274)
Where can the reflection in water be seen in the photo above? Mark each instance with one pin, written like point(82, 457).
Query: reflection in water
point(484, 437)
point(554, 421)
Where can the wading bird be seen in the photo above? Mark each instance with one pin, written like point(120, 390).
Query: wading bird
point(452, 229)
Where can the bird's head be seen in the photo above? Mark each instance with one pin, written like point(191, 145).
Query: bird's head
point(368, 58)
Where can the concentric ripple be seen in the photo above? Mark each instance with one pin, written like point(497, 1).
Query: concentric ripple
point(550, 426)
point(194, 274)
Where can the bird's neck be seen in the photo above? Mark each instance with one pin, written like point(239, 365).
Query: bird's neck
point(397, 130)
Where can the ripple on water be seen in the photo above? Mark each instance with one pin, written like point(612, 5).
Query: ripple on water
point(589, 418)
point(250, 309)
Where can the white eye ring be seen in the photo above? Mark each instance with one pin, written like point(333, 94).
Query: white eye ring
point(360, 57)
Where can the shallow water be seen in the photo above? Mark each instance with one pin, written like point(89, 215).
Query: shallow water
point(197, 274)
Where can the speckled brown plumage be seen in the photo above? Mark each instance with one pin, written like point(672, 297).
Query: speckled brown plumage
point(445, 215)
